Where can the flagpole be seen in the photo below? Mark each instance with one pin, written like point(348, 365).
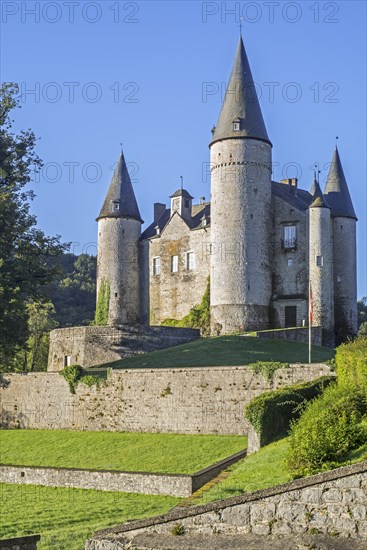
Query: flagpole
point(309, 321)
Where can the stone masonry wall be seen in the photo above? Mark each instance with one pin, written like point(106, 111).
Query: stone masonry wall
point(333, 503)
point(20, 543)
point(172, 295)
point(88, 346)
point(192, 400)
point(293, 335)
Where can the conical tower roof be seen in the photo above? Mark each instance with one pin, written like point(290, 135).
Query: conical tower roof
point(240, 104)
point(319, 200)
point(336, 190)
point(120, 201)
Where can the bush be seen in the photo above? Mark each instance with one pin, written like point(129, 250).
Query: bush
point(351, 364)
point(362, 333)
point(328, 429)
point(198, 316)
point(267, 368)
point(74, 374)
point(271, 412)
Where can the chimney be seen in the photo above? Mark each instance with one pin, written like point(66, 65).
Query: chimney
point(159, 208)
point(292, 184)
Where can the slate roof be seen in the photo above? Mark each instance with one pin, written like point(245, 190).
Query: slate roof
point(336, 190)
point(121, 191)
point(318, 199)
point(181, 193)
point(298, 198)
point(241, 103)
point(198, 210)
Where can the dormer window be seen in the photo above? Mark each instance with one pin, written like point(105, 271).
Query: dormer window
point(157, 230)
point(116, 206)
point(236, 125)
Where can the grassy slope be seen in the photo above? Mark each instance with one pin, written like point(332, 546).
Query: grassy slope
point(164, 453)
point(225, 350)
point(65, 518)
point(258, 471)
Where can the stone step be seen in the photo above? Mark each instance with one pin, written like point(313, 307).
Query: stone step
point(151, 541)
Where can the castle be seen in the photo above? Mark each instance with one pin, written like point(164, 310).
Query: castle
point(259, 240)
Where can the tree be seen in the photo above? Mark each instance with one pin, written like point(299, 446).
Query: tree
point(40, 323)
point(362, 310)
point(28, 258)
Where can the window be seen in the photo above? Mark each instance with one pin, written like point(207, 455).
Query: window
point(290, 262)
point(319, 261)
point(67, 360)
point(174, 264)
point(236, 125)
point(190, 261)
point(116, 206)
point(290, 236)
point(339, 279)
point(156, 266)
point(187, 203)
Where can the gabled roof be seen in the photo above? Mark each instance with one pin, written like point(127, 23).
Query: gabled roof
point(336, 190)
point(198, 211)
point(300, 199)
point(241, 103)
point(120, 191)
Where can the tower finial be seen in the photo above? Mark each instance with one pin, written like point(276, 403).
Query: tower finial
point(241, 19)
point(336, 141)
point(121, 146)
point(181, 182)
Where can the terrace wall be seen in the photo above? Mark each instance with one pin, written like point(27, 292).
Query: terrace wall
point(205, 400)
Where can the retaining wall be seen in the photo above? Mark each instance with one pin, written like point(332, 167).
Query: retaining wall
point(205, 400)
point(299, 334)
point(20, 543)
point(89, 346)
point(178, 485)
point(333, 503)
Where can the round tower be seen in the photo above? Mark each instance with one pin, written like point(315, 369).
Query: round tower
point(118, 274)
point(321, 266)
point(345, 257)
point(240, 159)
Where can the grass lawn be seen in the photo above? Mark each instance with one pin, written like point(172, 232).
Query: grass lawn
point(65, 518)
point(224, 350)
point(260, 470)
point(165, 453)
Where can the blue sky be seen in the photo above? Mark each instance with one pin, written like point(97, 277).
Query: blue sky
point(150, 75)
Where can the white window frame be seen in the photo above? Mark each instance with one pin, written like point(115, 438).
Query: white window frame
point(319, 260)
point(67, 360)
point(290, 262)
point(290, 236)
point(156, 265)
point(190, 260)
point(116, 206)
point(236, 126)
point(174, 263)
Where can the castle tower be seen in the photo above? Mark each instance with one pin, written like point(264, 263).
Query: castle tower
point(119, 229)
point(345, 256)
point(321, 264)
point(240, 160)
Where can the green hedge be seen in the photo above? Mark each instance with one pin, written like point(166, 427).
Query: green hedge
point(271, 412)
point(329, 428)
point(351, 363)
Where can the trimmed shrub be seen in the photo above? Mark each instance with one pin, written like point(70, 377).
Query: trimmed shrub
point(328, 429)
point(271, 412)
point(351, 364)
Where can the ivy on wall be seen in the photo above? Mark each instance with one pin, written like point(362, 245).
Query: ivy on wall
point(198, 316)
point(103, 304)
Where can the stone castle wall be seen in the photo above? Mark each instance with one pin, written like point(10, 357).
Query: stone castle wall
point(333, 503)
point(205, 400)
point(89, 346)
point(20, 543)
point(172, 295)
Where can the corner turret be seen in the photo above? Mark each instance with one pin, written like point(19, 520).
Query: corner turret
point(119, 229)
point(345, 254)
